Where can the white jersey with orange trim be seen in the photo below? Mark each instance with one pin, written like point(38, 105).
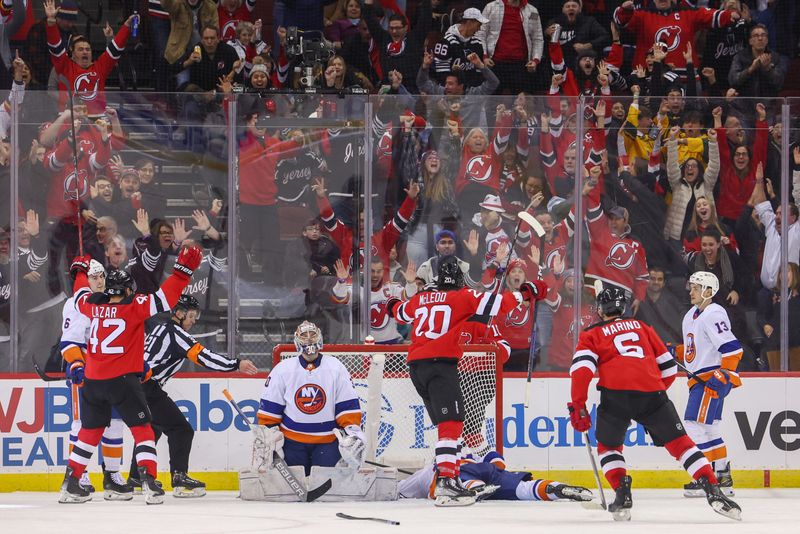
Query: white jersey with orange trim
point(709, 343)
point(309, 400)
point(74, 332)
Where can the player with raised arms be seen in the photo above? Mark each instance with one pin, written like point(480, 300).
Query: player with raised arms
point(310, 416)
point(635, 371)
point(114, 365)
point(438, 316)
point(711, 353)
point(74, 335)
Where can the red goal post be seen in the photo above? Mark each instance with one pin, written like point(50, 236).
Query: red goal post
point(403, 435)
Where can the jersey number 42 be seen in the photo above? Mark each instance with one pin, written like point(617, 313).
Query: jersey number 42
point(110, 330)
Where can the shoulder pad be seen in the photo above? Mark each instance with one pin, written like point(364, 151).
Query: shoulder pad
point(98, 298)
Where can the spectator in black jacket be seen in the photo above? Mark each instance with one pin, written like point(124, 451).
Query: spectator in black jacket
point(579, 32)
point(722, 44)
point(661, 309)
point(757, 71)
point(401, 50)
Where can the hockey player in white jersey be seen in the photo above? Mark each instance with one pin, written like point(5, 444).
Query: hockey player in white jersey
point(310, 416)
point(382, 326)
point(712, 353)
point(74, 334)
point(487, 476)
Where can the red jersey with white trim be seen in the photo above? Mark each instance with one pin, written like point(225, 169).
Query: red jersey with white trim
point(228, 21)
point(116, 335)
point(484, 169)
point(439, 316)
point(628, 355)
point(675, 28)
point(89, 84)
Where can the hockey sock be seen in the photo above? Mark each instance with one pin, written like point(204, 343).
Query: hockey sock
point(111, 446)
point(145, 448)
point(534, 490)
point(83, 449)
point(696, 464)
point(459, 455)
point(612, 463)
point(447, 446)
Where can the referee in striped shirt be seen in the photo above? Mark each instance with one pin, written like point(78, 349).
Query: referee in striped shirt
point(165, 350)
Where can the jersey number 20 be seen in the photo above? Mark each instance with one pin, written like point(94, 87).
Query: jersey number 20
point(434, 323)
point(106, 345)
point(626, 345)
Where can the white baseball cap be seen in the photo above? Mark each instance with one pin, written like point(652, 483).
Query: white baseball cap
point(474, 14)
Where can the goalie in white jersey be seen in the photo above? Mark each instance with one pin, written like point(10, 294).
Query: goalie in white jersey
point(310, 415)
point(712, 353)
point(74, 333)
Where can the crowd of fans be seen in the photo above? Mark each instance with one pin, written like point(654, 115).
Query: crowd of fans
point(475, 113)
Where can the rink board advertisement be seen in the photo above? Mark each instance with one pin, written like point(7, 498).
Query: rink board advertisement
point(761, 426)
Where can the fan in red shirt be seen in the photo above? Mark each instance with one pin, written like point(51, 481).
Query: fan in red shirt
point(635, 371)
point(438, 317)
point(84, 78)
point(114, 366)
point(231, 13)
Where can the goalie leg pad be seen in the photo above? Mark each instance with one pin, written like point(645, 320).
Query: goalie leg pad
point(349, 485)
point(269, 485)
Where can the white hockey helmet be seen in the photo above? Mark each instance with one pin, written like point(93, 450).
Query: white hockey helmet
point(705, 280)
point(95, 268)
point(308, 338)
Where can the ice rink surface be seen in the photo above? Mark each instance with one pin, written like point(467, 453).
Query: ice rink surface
point(764, 511)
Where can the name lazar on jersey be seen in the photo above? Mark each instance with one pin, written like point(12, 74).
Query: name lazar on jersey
point(104, 311)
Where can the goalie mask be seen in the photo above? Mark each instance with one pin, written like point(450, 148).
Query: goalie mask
point(308, 339)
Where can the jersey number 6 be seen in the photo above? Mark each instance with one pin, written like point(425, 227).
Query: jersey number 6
point(630, 350)
point(106, 346)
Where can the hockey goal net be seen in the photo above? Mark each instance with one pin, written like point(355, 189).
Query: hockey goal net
point(398, 430)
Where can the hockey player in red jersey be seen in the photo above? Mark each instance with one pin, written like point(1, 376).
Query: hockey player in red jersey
point(114, 364)
point(438, 317)
point(635, 371)
point(87, 79)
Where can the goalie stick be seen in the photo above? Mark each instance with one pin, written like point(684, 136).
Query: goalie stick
point(539, 230)
point(376, 519)
point(280, 465)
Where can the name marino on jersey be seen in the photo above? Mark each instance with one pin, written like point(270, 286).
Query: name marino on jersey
point(619, 326)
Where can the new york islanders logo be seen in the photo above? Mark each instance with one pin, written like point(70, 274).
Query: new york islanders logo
point(310, 398)
point(670, 36)
point(479, 168)
point(621, 256)
point(689, 350)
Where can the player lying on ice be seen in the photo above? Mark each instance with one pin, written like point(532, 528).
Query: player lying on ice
point(310, 416)
point(488, 478)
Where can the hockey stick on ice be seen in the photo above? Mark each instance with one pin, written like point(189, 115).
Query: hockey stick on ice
point(539, 230)
point(280, 465)
point(376, 519)
point(399, 470)
point(596, 473)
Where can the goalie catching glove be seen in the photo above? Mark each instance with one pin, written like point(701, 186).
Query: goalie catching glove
point(267, 441)
point(352, 445)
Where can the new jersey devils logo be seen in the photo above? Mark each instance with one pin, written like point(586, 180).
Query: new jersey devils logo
point(75, 186)
point(479, 168)
point(519, 316)
point(378, 315)
point(620, 256)
point(670, 36)
point(309, 398)
point(229, 29)
point(86, 146)
point(86, 86)
point(385, 145)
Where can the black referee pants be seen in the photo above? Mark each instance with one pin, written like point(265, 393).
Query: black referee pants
point(168, 419)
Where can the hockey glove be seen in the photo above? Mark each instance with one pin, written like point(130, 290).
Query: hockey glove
point(79, 265)
point(352, 444)
point(720, 383)
point(391, 305)
point(76, 373)
point(267, 441)
point(147, 373)
point(188, 260)
point(533, 291)
point(579, 417)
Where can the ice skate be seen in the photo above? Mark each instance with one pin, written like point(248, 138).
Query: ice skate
point(153, 493)
point(136, 483)
point(86, 483)
point(184, 486)
point(71, 490)
point(115, 488)
point(726, 481)
point(572, 493)
point(449, 492)
point(693, 490)
point(621, 507)
point(719, 502)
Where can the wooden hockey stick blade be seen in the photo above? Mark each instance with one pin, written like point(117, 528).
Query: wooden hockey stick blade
point(598, 287)
point(399, 470)
point(532, 222)
point(376, 519)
